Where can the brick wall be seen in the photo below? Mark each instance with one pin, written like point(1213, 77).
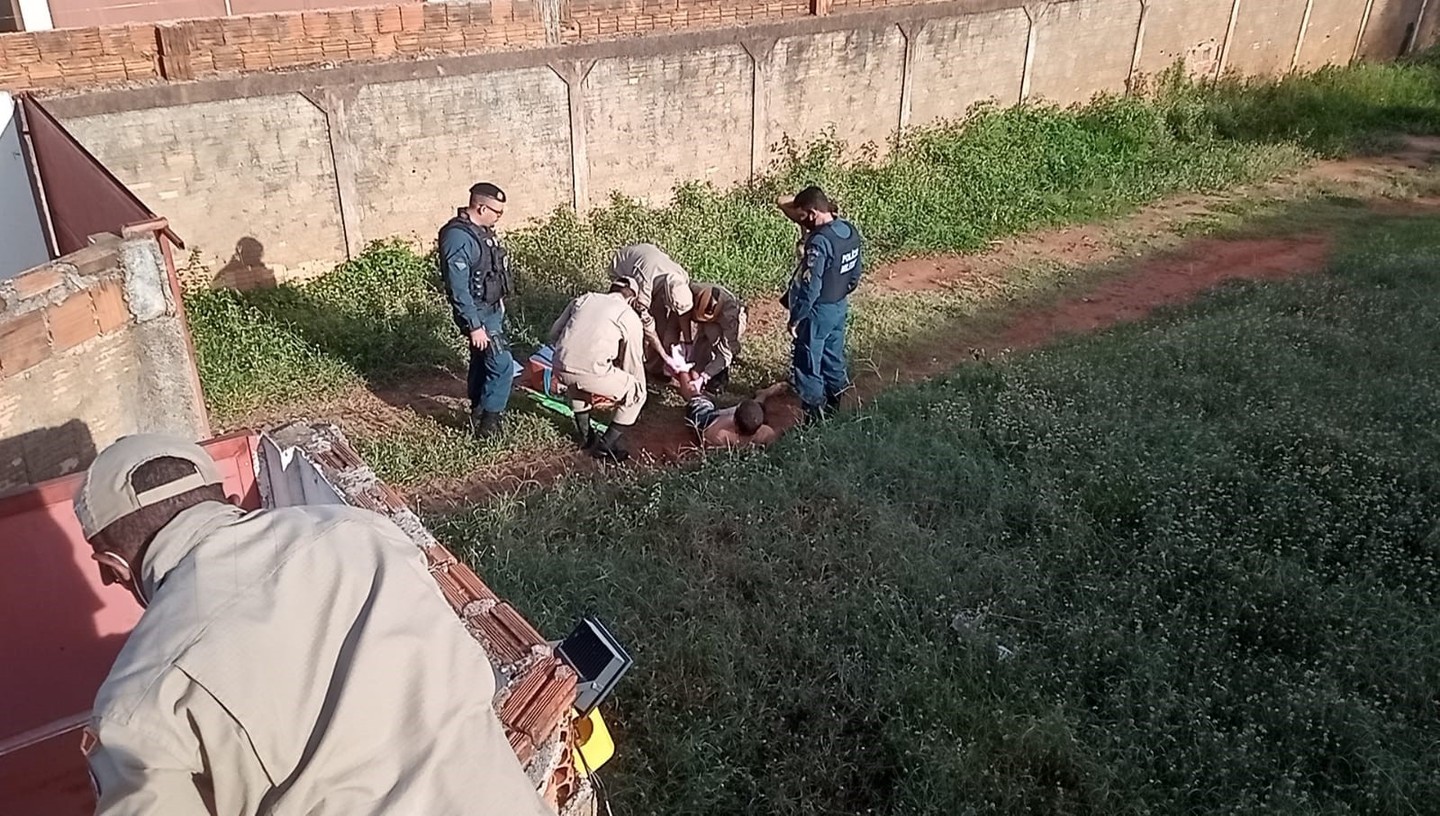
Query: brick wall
point(79, 58)
point(190, 49)
point(86, 357)
point(599, 18)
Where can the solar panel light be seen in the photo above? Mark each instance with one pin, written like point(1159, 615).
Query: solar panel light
point(598, 658)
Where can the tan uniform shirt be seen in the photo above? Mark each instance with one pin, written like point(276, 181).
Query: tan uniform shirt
point(299, 661)
point(599, 350)
point(718, 343)
point(662, 281)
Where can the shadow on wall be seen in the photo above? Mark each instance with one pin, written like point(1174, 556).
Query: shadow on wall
point(47, 453)
point(246, 269)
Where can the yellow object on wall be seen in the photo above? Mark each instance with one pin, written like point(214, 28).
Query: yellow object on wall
point(593, 746)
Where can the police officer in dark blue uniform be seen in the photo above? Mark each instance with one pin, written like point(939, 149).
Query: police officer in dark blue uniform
point(477, 276)
point(818, 300)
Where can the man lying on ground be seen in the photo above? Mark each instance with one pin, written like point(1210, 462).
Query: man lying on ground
point(744, 425)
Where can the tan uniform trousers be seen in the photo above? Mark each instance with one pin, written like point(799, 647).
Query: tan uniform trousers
point(599, 352)
point(627, 392)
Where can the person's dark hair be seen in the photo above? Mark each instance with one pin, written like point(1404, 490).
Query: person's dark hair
point(814, 198)
point(129, 535)
point(485, 191)
point(623, 285)
point(749, 416)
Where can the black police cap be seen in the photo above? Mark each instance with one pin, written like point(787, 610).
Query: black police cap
point(487, 190)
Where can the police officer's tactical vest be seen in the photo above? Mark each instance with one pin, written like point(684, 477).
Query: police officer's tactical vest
point(844, 266)
point(489, 285)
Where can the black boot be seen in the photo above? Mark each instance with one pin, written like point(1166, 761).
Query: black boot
point(610, 445)
point(585, 429)
point(485, 425)
point(719, 382)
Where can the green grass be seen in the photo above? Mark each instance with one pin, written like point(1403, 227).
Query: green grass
point(952, 187)
point(1207, 543)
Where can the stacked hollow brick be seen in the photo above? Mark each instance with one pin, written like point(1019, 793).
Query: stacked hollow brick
point(54, 308)
point(192, 49)
point(535, 703)
point(595, 19)
point(264, 42)
point(77, 58)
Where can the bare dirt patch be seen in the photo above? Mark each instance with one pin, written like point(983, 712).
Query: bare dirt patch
point(1167, 281)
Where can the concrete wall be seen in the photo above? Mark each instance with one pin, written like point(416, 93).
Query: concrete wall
point(1188, 31)
point(1082, 47)
point(978, 57)
point(311, 165)
point(676, 116)
point(848, 80)
point(418, 145)
point(231, 170)
point(1265, 36)
point(1387, 26)
point(92, 347)
point(21, 232)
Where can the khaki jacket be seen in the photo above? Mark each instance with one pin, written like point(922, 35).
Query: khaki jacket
point(596, 334)
point(662, 281)
point(717, 344)
point(299, 661)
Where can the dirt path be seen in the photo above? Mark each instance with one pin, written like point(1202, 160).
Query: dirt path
point(1173, 270)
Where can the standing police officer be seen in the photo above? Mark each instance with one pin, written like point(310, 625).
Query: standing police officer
point(818, 300)
point(476, 272)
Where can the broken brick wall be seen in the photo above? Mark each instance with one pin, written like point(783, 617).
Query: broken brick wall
point(91, 349)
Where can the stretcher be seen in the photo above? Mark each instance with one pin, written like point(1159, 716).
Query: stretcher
point(536, 380)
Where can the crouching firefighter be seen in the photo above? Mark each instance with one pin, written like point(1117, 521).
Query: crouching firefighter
point(599, 347)
point(818, 300)
point(476, 271)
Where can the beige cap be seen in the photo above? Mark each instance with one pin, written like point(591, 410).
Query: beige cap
point(106, 494)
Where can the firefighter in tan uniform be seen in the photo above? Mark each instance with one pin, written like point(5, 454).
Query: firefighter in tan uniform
point(717, 328)
point(297, 660)
point(599, 352)
point(664, 296)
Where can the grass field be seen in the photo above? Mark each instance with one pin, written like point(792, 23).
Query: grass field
point(1186, 566)
point(952, 187)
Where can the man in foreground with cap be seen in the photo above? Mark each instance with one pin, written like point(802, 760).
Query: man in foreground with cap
point(297, 660)
point(663, 297)
point(476, 271)
point(599, 352)
point(818, 300)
